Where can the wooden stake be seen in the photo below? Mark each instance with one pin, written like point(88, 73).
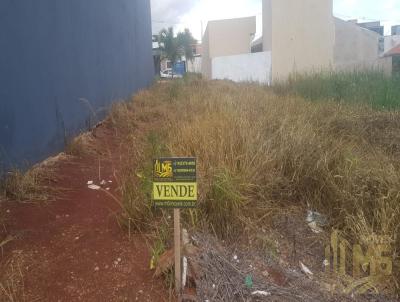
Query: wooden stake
point(177, 250)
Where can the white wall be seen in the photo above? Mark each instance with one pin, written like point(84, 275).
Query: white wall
point(226, 38)
point(355, 47)
point(251, 67)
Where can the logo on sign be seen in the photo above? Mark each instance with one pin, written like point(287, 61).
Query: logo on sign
point(163, 169)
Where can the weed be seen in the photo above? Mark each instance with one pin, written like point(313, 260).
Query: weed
point(80, 146)
point(138, 212)
point(161, 235)
point(223, 204)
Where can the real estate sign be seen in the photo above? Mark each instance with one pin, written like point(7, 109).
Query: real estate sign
point(174, 182)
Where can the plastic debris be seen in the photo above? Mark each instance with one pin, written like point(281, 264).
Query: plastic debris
point(315, 221)
point(261, 293)
point(249, 281)
point(319, 218)
point(90, 182)
point(315, 228)
point(306, 270)
point(185, 237)
point(103, 182)
point(94, 187)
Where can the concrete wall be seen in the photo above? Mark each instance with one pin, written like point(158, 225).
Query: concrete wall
point(251, 67)
point(54, 53)
point(355, 47)
point(225, 38)
point(267, 25)
point(205, 56)
point(301, 34)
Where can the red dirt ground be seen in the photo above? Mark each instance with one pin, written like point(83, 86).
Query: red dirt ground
point(76, 250)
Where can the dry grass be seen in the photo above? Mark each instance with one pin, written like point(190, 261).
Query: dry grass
point(12, 288)
point(24, 186)
point(81, 145)
point(35, 184)
point(258, 152)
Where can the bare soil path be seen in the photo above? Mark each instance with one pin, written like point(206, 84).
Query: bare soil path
point(73, 248)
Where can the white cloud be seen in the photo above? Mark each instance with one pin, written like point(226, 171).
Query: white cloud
point(165, 13)
point(194, 14)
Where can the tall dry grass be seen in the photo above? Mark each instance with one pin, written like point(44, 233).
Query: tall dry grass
point(258, 152)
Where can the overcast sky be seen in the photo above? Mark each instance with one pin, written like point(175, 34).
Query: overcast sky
point(194, 14)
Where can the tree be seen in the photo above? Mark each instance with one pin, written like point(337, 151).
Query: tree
point(169, 45)
point(175, 47)
point(186, 41)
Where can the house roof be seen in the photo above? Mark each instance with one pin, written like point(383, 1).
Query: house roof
point(395, 51)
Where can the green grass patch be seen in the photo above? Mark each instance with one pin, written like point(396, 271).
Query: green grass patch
point(367, 87)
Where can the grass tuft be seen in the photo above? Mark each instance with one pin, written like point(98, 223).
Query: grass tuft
point(24, 186)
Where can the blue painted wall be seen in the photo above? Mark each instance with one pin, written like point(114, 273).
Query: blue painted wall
point(54, 53)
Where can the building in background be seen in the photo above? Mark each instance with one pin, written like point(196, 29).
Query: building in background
point(393, 40)
point(393, 56)
point(374, 26)
point(304, 36)
point(62, 64)
point(226, 38)
point(395, 30)
point(299, 34)
point(359, 46)
point(298, 37)
point(194, 65)
point(157, 54)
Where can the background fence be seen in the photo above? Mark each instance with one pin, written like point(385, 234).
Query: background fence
point(59, 56)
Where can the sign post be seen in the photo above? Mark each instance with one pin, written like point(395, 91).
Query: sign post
point(177, 250)
point(175, 186)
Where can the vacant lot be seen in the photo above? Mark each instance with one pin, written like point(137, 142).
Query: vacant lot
point(265, 158)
